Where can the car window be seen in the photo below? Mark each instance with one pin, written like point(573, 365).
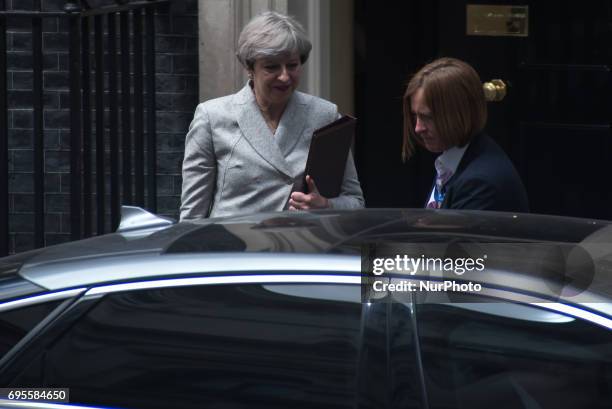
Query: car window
point(405, 382)
point(210, 346)
point(16, 323)
point(483, 354)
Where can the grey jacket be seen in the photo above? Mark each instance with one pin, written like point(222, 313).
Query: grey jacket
point(234, 164)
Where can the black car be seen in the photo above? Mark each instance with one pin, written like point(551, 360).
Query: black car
point(297, 310)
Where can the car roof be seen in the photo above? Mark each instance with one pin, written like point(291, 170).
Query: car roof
point(299, 241)
point(338, 232)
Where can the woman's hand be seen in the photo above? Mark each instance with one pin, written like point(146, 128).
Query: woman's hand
point(312, 200)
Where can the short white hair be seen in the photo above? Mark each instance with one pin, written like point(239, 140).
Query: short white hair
point(271, 34)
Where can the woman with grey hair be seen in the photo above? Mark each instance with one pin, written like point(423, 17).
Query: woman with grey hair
point(246, 152)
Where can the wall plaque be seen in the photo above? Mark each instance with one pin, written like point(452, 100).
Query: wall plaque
point(498, 21)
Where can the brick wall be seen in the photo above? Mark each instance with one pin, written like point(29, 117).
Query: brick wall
point(177, 96)
point(176, 85)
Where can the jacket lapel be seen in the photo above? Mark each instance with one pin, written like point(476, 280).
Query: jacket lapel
point(472, 150)
point(292, 123)
point(256, 131)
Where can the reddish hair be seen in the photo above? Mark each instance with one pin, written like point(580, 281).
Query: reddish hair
point(453, 92)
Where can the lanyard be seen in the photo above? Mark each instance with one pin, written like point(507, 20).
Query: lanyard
point(439, 195)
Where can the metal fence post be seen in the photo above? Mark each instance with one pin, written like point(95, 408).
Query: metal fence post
point(4, 169)
point(151, 107)
point(38, 144)
point(76, 163)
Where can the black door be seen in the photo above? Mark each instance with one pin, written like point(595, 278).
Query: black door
point(554, 121)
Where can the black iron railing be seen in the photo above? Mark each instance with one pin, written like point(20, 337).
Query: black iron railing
point(121, 49)
point(4, 168)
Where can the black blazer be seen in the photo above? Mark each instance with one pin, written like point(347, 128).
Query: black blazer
point(485, 180)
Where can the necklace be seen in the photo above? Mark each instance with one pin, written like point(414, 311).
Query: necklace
point(272, 123)
point(266, 111)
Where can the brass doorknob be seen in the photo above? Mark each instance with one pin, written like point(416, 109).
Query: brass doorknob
point(495, 90)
